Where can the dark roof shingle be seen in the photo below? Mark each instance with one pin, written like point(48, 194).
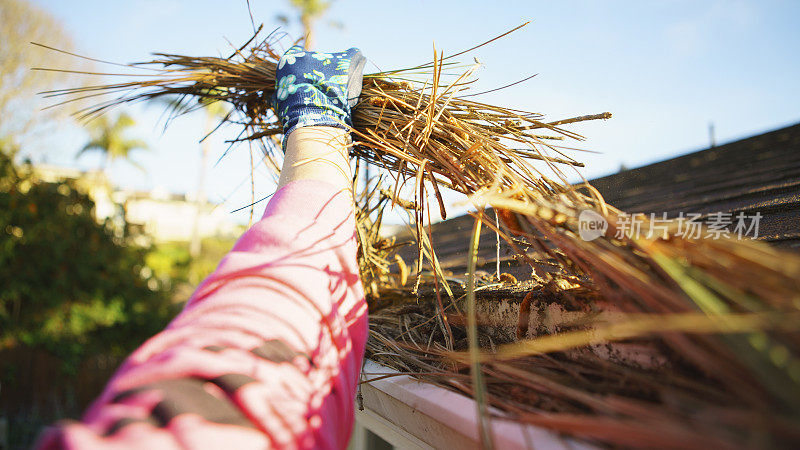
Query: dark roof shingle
point(757, 174)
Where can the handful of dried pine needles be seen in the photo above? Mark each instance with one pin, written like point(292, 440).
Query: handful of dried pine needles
point(718, 318)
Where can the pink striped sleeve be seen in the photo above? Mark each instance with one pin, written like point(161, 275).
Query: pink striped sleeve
point(266, 353)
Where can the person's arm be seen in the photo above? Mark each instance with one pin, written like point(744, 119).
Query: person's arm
point(267, 352)
point(317, 153)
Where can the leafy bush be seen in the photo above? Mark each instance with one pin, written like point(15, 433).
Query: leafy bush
point(175, 267)
point(69, 285)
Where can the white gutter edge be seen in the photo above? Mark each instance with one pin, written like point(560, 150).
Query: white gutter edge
point(412, 414)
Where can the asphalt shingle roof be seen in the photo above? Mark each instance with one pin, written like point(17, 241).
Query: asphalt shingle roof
point(757, 174)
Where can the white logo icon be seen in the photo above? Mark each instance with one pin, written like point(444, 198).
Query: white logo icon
point(591, 225)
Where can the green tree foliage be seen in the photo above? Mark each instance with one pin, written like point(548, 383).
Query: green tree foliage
point(70, 286)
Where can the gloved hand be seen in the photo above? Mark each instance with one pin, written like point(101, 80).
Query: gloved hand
point(314, 88)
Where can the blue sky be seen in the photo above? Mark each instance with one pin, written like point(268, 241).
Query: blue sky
point(665, 69)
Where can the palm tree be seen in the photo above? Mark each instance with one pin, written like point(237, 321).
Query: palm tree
point(109, 137)
point(215, 110)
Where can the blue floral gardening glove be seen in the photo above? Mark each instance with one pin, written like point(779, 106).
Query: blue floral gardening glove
point(317, 88)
